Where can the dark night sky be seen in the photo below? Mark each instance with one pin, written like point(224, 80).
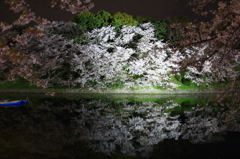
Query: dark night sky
point(157, 9)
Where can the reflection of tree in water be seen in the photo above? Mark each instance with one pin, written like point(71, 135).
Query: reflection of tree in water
point(202, 122)
point(139, 126)
point(132, 128)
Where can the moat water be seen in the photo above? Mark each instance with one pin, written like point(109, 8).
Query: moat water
point(79, 126)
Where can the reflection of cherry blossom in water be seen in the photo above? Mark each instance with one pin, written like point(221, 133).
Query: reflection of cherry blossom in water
point(137, 127)
point(110, 126)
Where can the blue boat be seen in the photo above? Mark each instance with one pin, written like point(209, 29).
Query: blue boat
point(13, 103)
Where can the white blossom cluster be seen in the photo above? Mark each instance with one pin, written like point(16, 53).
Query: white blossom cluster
point(132, 57)
point(105, 57)
point(213, 69)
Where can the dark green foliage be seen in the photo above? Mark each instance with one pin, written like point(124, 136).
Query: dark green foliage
point(179, 77)
point(160, 29)
point(104, 17)
point(173, 33)
point(87, 20)
point(185, 81)
point(91, 21)
point(120, 19)
point(163, 28)
point(135, 77)
point(141, 19)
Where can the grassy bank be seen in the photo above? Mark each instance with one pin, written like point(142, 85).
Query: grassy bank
point(21, 85)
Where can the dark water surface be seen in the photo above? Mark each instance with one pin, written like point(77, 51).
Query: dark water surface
point(79, 126)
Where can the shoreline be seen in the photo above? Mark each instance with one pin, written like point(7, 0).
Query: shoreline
point(111, 91)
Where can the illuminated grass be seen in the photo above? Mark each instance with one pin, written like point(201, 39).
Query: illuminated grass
point(24, 84)
point(18, 83)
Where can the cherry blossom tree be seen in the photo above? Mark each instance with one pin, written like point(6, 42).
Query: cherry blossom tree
point(27, 15)
point(214, 44)
point(112, 57)
point(14, 61)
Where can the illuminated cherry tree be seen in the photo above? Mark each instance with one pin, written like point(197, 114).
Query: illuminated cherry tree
point(14, 60)
point(131, 56)
point(215, 44)
point(110, 58)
